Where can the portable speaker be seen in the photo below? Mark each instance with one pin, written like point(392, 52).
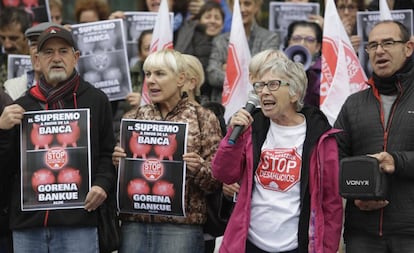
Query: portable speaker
point(360, 177)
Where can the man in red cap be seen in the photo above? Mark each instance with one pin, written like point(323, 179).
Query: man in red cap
point(60, 87)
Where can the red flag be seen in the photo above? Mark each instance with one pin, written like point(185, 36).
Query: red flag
point(236, 83)
point(342, 73)
point(162, 38)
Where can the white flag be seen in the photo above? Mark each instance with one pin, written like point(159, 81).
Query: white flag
point(162, 38)
point(342, 73)
point(385, 13)
point(236, 85)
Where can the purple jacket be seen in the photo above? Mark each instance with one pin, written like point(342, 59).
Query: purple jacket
point(320, 223)
point(312, 96)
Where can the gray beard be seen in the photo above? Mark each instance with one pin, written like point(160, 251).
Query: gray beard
point(57, 77)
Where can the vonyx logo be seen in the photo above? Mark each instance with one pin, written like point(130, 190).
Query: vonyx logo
point(357, 182)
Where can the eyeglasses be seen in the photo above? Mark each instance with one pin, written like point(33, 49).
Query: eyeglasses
point(350, 7)
point(386, 45)
point(272, 85)
point(307, 39)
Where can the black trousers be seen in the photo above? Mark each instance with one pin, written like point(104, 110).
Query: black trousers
point(357, 243)
point(251, 248)
point(209, 245)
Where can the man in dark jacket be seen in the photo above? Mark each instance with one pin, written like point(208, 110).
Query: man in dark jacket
point(378, 122)
point(5, 234)
point(61, 87)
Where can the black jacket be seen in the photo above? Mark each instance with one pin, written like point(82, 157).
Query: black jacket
point(4, 174)
point(192, 39)
point(102, 171)
point(365, 133)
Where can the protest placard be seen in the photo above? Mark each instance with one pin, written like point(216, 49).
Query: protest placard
point(104, 61)
point(282, 14)
point(17, 65)
point(55, 159)
point(151, 179)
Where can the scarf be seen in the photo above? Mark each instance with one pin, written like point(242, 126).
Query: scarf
point(388, 85)
point(54, 97)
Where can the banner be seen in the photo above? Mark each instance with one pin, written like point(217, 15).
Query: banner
point(55, 159)
point(341, 73)
point(151, 179)
point(236, 85)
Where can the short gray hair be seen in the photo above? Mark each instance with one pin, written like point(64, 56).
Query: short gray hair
point(297, 79)
point(259, 59)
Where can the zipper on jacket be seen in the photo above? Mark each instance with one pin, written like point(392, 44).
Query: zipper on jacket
point(46, 218)
point(381, 221)
point(386, 131)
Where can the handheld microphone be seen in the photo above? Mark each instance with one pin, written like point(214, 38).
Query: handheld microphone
point(252, 102)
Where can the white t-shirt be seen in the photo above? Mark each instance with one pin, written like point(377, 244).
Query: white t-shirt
point(276, 193)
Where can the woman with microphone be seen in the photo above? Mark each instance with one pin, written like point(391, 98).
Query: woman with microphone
point(286, 161)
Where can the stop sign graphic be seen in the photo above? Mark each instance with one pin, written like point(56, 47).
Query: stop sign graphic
point(56, 158)
point(152, 169)
point(279, 169)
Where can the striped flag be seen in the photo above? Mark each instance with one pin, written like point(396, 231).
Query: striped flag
point(236, 83)
point(342, 73)
point(162, 38)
